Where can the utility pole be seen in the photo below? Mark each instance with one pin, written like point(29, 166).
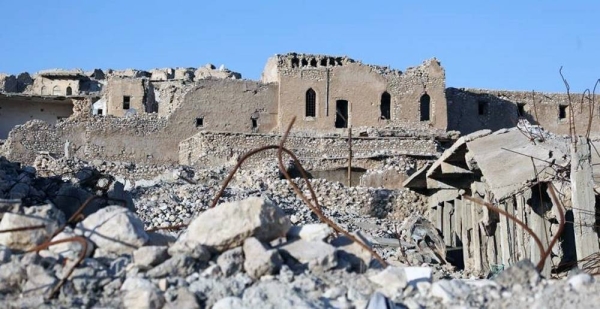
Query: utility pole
point(349, 156)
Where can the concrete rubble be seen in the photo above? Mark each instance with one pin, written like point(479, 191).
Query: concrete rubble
point(261, 247)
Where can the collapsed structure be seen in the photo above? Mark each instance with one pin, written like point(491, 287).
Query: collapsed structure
point(211, 117)
point(171, 116)
point(513, 170)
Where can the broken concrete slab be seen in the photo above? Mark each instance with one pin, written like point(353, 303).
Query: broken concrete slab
point(227, 225)
point(46, 215)
point(114, 229)
point(318, 256)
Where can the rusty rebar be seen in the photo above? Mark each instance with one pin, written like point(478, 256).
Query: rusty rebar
point(312, 207)
point(76, 215)
point(253, 152)
point(82, 254)
point(24, 228)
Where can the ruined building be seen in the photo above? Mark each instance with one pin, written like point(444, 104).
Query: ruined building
point(187, 115)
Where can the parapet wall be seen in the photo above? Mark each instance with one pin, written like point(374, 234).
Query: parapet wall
point(209, 149)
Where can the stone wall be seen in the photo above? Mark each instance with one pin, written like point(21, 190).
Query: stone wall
point(148, 138)
point(363, 86)
point(206, 148)
point(55, 86)
point(119, 89)
point(20, 109)
point(470, 110)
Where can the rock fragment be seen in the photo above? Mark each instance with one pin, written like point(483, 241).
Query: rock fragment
point(227, 225)
point(259, 260)
point(114, 229)
point(316, 255)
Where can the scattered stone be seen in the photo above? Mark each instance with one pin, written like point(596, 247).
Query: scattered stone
point(12, 275)
point(231, 261)
point(358, 257)
point(523, 273)
point(261, 261)
point(46, 215)
point(229, 303)
point(317, 255)
point(190, 248)
point(392, 281)
point(39, 281)
point(275, 295)
point(150, 256)
point(184, 299)
point(178, 265)
point(143, 298)
point(310, 232)
point(580, 281)
point(227, 225)
point(448, 290)
point(70, 250)
point(114, 229)
point(5, 254)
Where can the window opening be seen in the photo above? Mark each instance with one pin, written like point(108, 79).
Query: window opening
point(311, 103)
point(341, 115)
point(482, 108)
point(386, 102)
point(521, 109)
point(126, 102)
point(425, 104)
point(199, 122)
point(562, 111)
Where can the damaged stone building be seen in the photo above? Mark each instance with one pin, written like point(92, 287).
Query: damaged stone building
point(172, 115)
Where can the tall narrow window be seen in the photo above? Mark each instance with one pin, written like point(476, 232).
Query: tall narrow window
point(311, 103)
point(425, 107)
point(521, 109)
point(386, 102)
point(69, 90)
point(55, 90)
point(44, 90)
point(482, 107)
point(126, 102)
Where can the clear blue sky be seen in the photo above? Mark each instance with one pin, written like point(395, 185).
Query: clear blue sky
point(506, 44)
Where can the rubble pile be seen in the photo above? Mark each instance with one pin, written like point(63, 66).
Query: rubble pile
point(258, 248)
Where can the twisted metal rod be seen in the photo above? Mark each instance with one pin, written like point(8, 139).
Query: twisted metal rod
point(312, 207)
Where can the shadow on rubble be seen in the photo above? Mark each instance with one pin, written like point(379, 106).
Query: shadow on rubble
point(67, 192)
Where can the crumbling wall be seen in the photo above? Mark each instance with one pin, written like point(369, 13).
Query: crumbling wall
point(229, 106)
point(148, 138)
point(135, 139)
point(55, 86)
point(363, 86)
point(206, 148)
point(18, 110)
point(125, 95)
point(470, 110)
point(8, 83)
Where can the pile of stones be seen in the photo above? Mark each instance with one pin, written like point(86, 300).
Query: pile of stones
point(256, 249)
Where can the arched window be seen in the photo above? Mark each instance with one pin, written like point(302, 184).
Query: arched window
point(69, 90)
point(44, 90)
point(311, 103)
point(385, 107)
point(425, 107)
point(55, 90)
